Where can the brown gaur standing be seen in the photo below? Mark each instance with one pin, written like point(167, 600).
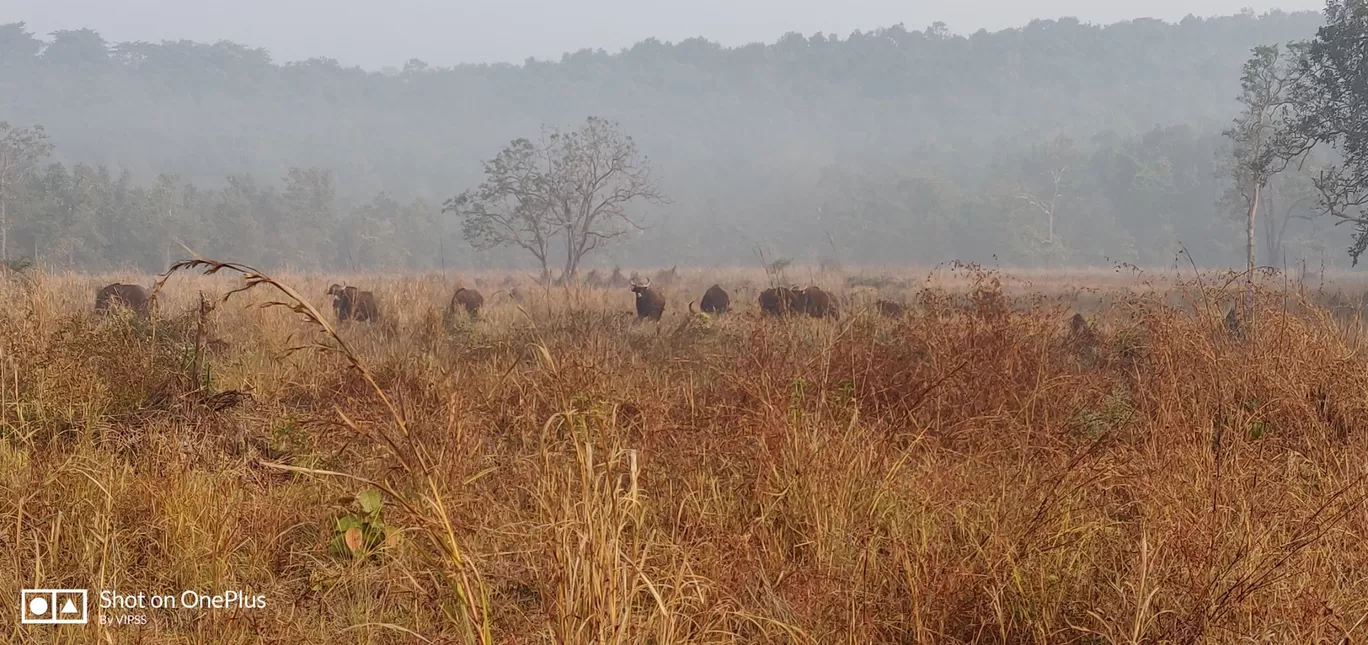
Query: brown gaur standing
point(818, 303)
point(1077, 325)
point(351, 303)
point(890, 308)
point(133, 296)
point(780, 301)
point(715, 301)
point(649, 302)
point(1081, 336)
point(468, 299)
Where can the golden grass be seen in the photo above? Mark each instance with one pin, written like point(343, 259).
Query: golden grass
point(556, 472)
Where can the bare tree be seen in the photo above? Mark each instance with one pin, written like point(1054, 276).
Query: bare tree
point(1055, 166)
point(512, 207)
point(597, 173)
point(1264, 87)
point(575, 185)
point(20, 150)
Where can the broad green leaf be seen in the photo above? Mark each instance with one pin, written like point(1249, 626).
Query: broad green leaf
point(369, 501)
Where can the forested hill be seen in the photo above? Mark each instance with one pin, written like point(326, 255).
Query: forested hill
point(208, 111)
point(901, 137)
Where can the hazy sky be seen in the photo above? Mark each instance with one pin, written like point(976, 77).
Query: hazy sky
point(445, 32)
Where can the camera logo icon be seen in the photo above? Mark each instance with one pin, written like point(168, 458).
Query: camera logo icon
point(53, 607)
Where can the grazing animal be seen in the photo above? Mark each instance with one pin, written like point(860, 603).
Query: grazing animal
point(649, 302)
point(133, 296)
point(890, 308)
point(1082, 340)
point(1081, 334)
point(715, 300)
point(780, 301)
point(1077, 325)
point(468, 299)
point(818, 303)
point(351, 303)
point(1233, 325)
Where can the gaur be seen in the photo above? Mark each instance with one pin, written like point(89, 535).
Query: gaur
point(649, 302)
point(351, 303)
point(133, 296)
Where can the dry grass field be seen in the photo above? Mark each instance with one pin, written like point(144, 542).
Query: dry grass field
point(556, 472)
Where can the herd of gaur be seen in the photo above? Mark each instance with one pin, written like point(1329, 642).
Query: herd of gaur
point(351, 303)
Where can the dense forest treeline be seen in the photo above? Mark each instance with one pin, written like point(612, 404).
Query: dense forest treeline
point(1058, 143)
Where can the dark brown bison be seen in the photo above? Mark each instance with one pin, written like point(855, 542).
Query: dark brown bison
point(1082, 341)
point(715, 301)
point(890, 308)
point(649, 302)
point(818, 303)
point(1077, 325)
point(351, 303)
point(1234, 325)
point(135, 297)
point(468, 299)
point(1081, 334)
point(780, 301)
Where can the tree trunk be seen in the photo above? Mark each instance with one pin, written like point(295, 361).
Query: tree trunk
point(1249, 248)
point(1050, 238)
point(1249, 230)
point(1270, 224)
point(570, 260)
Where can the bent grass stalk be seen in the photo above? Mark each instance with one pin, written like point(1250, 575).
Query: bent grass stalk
point(411, 455)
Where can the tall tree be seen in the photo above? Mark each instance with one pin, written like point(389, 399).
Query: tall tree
point(512, 207)
point(575, 186)
point(17, 44)
point(1328, 100)
point(1053, 167)
point(77, 48)
point(1263, 95)
point(311, 202)
point(20, 150)
point(597, 173)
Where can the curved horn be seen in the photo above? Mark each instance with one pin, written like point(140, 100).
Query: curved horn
point(691, 309)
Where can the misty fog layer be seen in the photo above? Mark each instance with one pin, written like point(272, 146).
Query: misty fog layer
point(1055, 144)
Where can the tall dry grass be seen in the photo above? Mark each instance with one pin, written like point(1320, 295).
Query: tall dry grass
point(556, 472)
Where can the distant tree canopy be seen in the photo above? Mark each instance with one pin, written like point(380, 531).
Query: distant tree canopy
point(1055, 143)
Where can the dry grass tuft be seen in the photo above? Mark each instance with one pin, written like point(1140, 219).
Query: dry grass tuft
point(553, 470)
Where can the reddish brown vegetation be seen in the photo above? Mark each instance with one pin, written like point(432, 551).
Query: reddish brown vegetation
point(959, 475)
